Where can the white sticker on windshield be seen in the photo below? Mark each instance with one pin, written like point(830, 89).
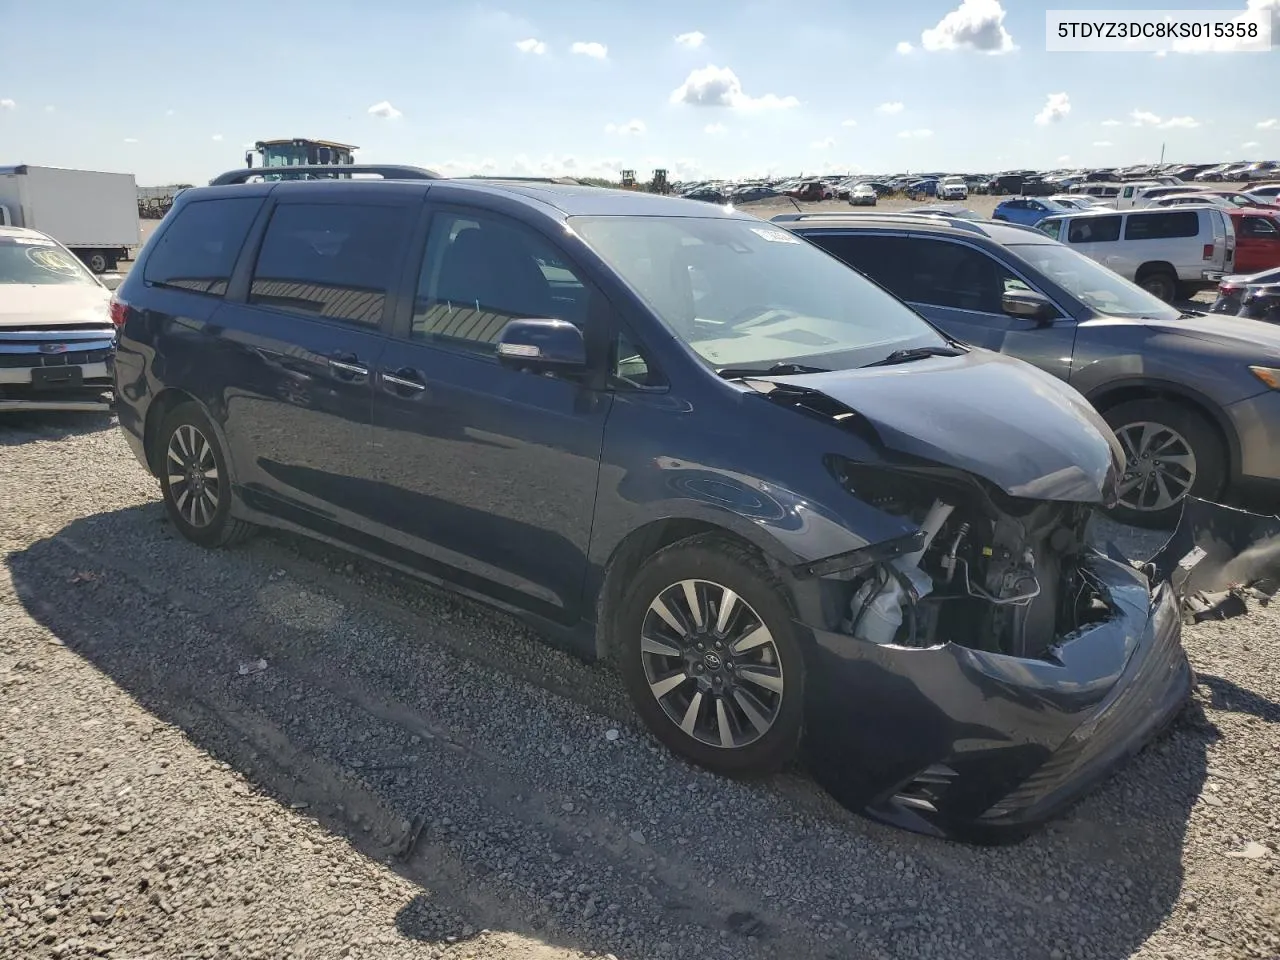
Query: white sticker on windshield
point(775, 236)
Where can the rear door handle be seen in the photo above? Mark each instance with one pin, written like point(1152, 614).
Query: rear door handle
point(403, 380)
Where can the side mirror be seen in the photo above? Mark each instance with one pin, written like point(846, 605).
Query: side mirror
point(542, 346)
point(111, 280)
point(1028, 304)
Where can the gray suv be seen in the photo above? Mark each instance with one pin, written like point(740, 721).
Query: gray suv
point(1194, 398)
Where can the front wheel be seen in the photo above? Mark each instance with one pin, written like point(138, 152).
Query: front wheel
point(1171, 452)
point(711, 659)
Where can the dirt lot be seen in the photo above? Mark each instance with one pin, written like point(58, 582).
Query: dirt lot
point(277, 751)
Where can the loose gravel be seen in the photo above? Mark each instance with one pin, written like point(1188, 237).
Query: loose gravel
point(281, 751)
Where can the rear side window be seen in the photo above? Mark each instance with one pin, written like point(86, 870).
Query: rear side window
point(1093, 229)
point(198, 251)
point(878, 257)
point(1052, 226)
point(1162, 226)
point(1258, 227)
point(335, 261)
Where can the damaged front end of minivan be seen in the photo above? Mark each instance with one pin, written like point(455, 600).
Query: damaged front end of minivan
point(1002, 662)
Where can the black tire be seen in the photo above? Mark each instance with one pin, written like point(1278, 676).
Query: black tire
point(1160, 283)
point(203, 515)
point(715, 562)
point(97, 262)
point(1195, 432)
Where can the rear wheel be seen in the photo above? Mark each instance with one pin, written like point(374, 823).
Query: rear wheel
point(711, 659)
point(1171, 452)
point(194, 479)
point(98, 262)
point(1160, 283)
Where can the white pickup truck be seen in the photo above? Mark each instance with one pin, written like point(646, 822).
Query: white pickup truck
point(92, 214)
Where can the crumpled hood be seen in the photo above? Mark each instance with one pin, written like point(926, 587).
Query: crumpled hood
point(993, 416)
point(27, 305)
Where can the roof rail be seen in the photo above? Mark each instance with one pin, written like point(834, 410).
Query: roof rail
point(960, 223)
point(387, 172)
point(564, 181)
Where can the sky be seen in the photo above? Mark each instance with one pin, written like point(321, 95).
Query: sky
point(175, 92)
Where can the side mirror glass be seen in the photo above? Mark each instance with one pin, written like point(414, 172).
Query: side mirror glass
point(111, 280)
point(1027, 304)
point(542, 346)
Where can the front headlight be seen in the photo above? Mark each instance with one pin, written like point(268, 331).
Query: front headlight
point(1268, 375)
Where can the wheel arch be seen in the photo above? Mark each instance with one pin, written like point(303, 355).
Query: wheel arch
point(1156, 266)
point(1123, 391)
point(640, 544)
point(160, 407)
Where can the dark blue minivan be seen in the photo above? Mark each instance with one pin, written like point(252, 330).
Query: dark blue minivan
point(790, 510)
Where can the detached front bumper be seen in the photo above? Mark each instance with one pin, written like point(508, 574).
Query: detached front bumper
point(970, 745)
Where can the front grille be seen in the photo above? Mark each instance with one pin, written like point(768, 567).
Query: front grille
point(72, 358)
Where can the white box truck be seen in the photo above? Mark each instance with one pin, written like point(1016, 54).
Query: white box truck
point(94, 215)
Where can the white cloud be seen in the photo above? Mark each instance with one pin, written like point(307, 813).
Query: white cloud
point(848, 123)
point(7, 104)
point(130, 139)
point(1180, 123)
point(50, 108)
point(974, 25)
point(597, 51)
point(1065, 158)
point(824, 144)
point(1057, 106)
point(384, 110)
point(1102, 143)
point(217, 136)
point(903, 47)
point(635, 127)
point(1111, 123)
point(532, 45)
point(1261, 124)
point(713, 86)
point(892, 107)
point(1250, 145)
point(715, 128)
point(919, 134)
point(1144, 118)
point(692, 39)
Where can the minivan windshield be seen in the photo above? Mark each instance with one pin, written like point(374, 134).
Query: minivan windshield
point(747, 293)
point(37, 260)
point(1093, 284)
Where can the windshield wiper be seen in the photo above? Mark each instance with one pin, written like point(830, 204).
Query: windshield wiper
point(915, 353)
point(777, 370)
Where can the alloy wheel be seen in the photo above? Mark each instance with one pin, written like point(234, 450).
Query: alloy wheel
point(194, 482)
point(711, 663)
point(1160, 466)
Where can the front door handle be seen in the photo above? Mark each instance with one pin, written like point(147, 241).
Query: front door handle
point(402, 381)
point(349, 367)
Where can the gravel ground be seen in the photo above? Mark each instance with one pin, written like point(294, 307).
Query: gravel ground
point(412, 775)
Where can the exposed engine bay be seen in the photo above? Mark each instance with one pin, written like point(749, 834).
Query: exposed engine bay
point(993, 573)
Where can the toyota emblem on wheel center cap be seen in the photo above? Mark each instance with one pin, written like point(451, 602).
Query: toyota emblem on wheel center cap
point(712, 661)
